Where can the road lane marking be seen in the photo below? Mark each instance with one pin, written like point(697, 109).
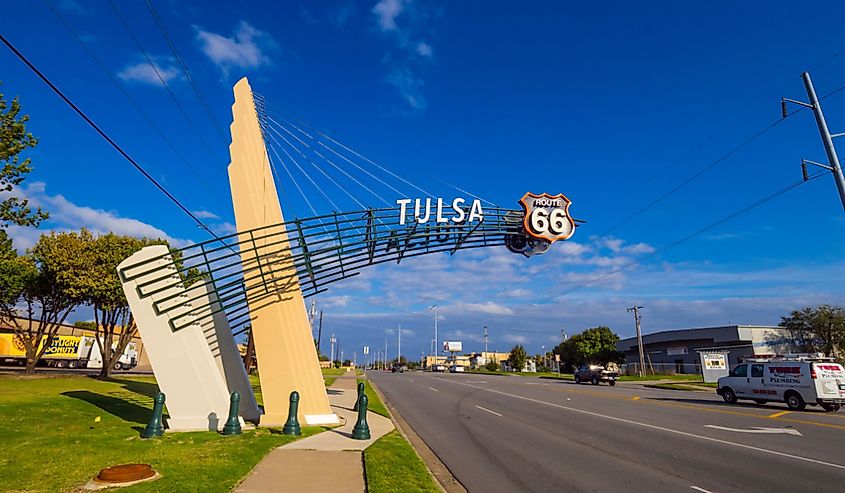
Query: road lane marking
point(635, 398)
point(476, 381)
point(777, 415)
point(411, 380)
point(758, 429)
point(432, 388)
point(489, 411)
point(664, 429)
point(702, 490)
point(697, 407)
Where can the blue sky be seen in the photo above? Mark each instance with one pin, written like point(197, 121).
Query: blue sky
point(613, 104)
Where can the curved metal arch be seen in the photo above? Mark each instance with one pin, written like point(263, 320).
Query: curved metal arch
point(254, 266)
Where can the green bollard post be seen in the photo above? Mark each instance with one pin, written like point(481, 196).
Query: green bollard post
point(292, 425)
point(154, 428)
point(360, 393)
point(233, 425)
point(361, 430)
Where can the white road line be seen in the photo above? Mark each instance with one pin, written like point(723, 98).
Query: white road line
point(758, 429)
point(661, 428)
point(702, 490)
point(476, 381)
point(411, 380)
point(432, 388)
point(489, 411)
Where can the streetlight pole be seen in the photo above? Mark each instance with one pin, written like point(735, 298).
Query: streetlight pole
point(436, 347)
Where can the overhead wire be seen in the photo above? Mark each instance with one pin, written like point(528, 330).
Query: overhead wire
point(184, 68)
point(163, 81)
point(106, 137)
point(131, 100)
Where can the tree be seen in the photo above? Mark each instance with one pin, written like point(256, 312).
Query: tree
point(492, 366)
point(820, 329)
point(99, 286)
point(35, 296)
point(517, 358)
point(594, 346)
point(14, 139)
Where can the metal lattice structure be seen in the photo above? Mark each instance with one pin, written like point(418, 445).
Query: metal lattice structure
point(254, 267)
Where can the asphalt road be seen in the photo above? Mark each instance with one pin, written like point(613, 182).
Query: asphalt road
point(525, 434)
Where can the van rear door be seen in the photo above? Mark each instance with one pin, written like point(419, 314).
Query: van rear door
point(829, 379)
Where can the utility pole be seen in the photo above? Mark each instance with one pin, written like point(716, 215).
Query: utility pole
point(333, 340)
point(320, 333)
point(636, 309)
point(385, 352)
point(485, 339)
point(399, 348)
point(827, 138)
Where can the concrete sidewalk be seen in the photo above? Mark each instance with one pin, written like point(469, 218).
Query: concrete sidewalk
point(327, 462)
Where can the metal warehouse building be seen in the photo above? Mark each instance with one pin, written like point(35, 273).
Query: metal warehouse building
point(676, 351)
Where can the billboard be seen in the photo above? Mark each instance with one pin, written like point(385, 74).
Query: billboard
point(452, 346)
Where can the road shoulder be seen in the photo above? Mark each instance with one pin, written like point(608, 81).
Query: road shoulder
point(438, 470)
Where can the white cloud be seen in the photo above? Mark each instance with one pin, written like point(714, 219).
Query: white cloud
point(409, 87)
point(424, 49)
point(205, 215)
point(224, 228)
point(386, 12)
point(247, 48)
point(162, 69)
point(67, 216)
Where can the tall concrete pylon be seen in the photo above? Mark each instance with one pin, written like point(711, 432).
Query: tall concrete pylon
point(287, 358)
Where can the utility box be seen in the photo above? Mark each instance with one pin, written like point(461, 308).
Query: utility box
point(714, 364)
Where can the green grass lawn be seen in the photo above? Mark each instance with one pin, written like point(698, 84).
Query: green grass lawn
point(58, 432)
point(333, 372)
point(698, 386)
point(374, 403)
point(391, 463)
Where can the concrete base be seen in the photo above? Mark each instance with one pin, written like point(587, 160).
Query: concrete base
point(322, 419)
point(272, 420)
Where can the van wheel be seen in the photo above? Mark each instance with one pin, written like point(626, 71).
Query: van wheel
point(577, 379)
point(728, 395)
point(830, 407)
point(118, 366)
point(794, 401)
point(759, 401)
point(612, 383)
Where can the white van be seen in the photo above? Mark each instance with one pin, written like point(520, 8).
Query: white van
point(795, 379)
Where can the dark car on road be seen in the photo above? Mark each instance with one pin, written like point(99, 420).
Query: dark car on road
point(596, 374)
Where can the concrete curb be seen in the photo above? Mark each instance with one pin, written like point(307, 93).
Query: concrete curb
point(441, 474)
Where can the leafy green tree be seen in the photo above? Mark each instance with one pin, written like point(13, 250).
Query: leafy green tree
point(820, 329)
point(492, 366)
point(594, 346)
point(517, 358)
point(35, 296)
point(597, 346)
point(14, 139)
point(99, 286)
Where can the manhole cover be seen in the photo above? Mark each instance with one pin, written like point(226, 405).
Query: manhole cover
point(126, 473)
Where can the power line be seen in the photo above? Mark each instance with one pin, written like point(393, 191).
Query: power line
point(120, 87)
point(161, 78)
point(105, 136)
point(185, 70)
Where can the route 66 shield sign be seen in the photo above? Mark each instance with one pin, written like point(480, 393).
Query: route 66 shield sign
point(547, 216)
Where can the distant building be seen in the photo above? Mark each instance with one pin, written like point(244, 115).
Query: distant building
point(676, 351)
